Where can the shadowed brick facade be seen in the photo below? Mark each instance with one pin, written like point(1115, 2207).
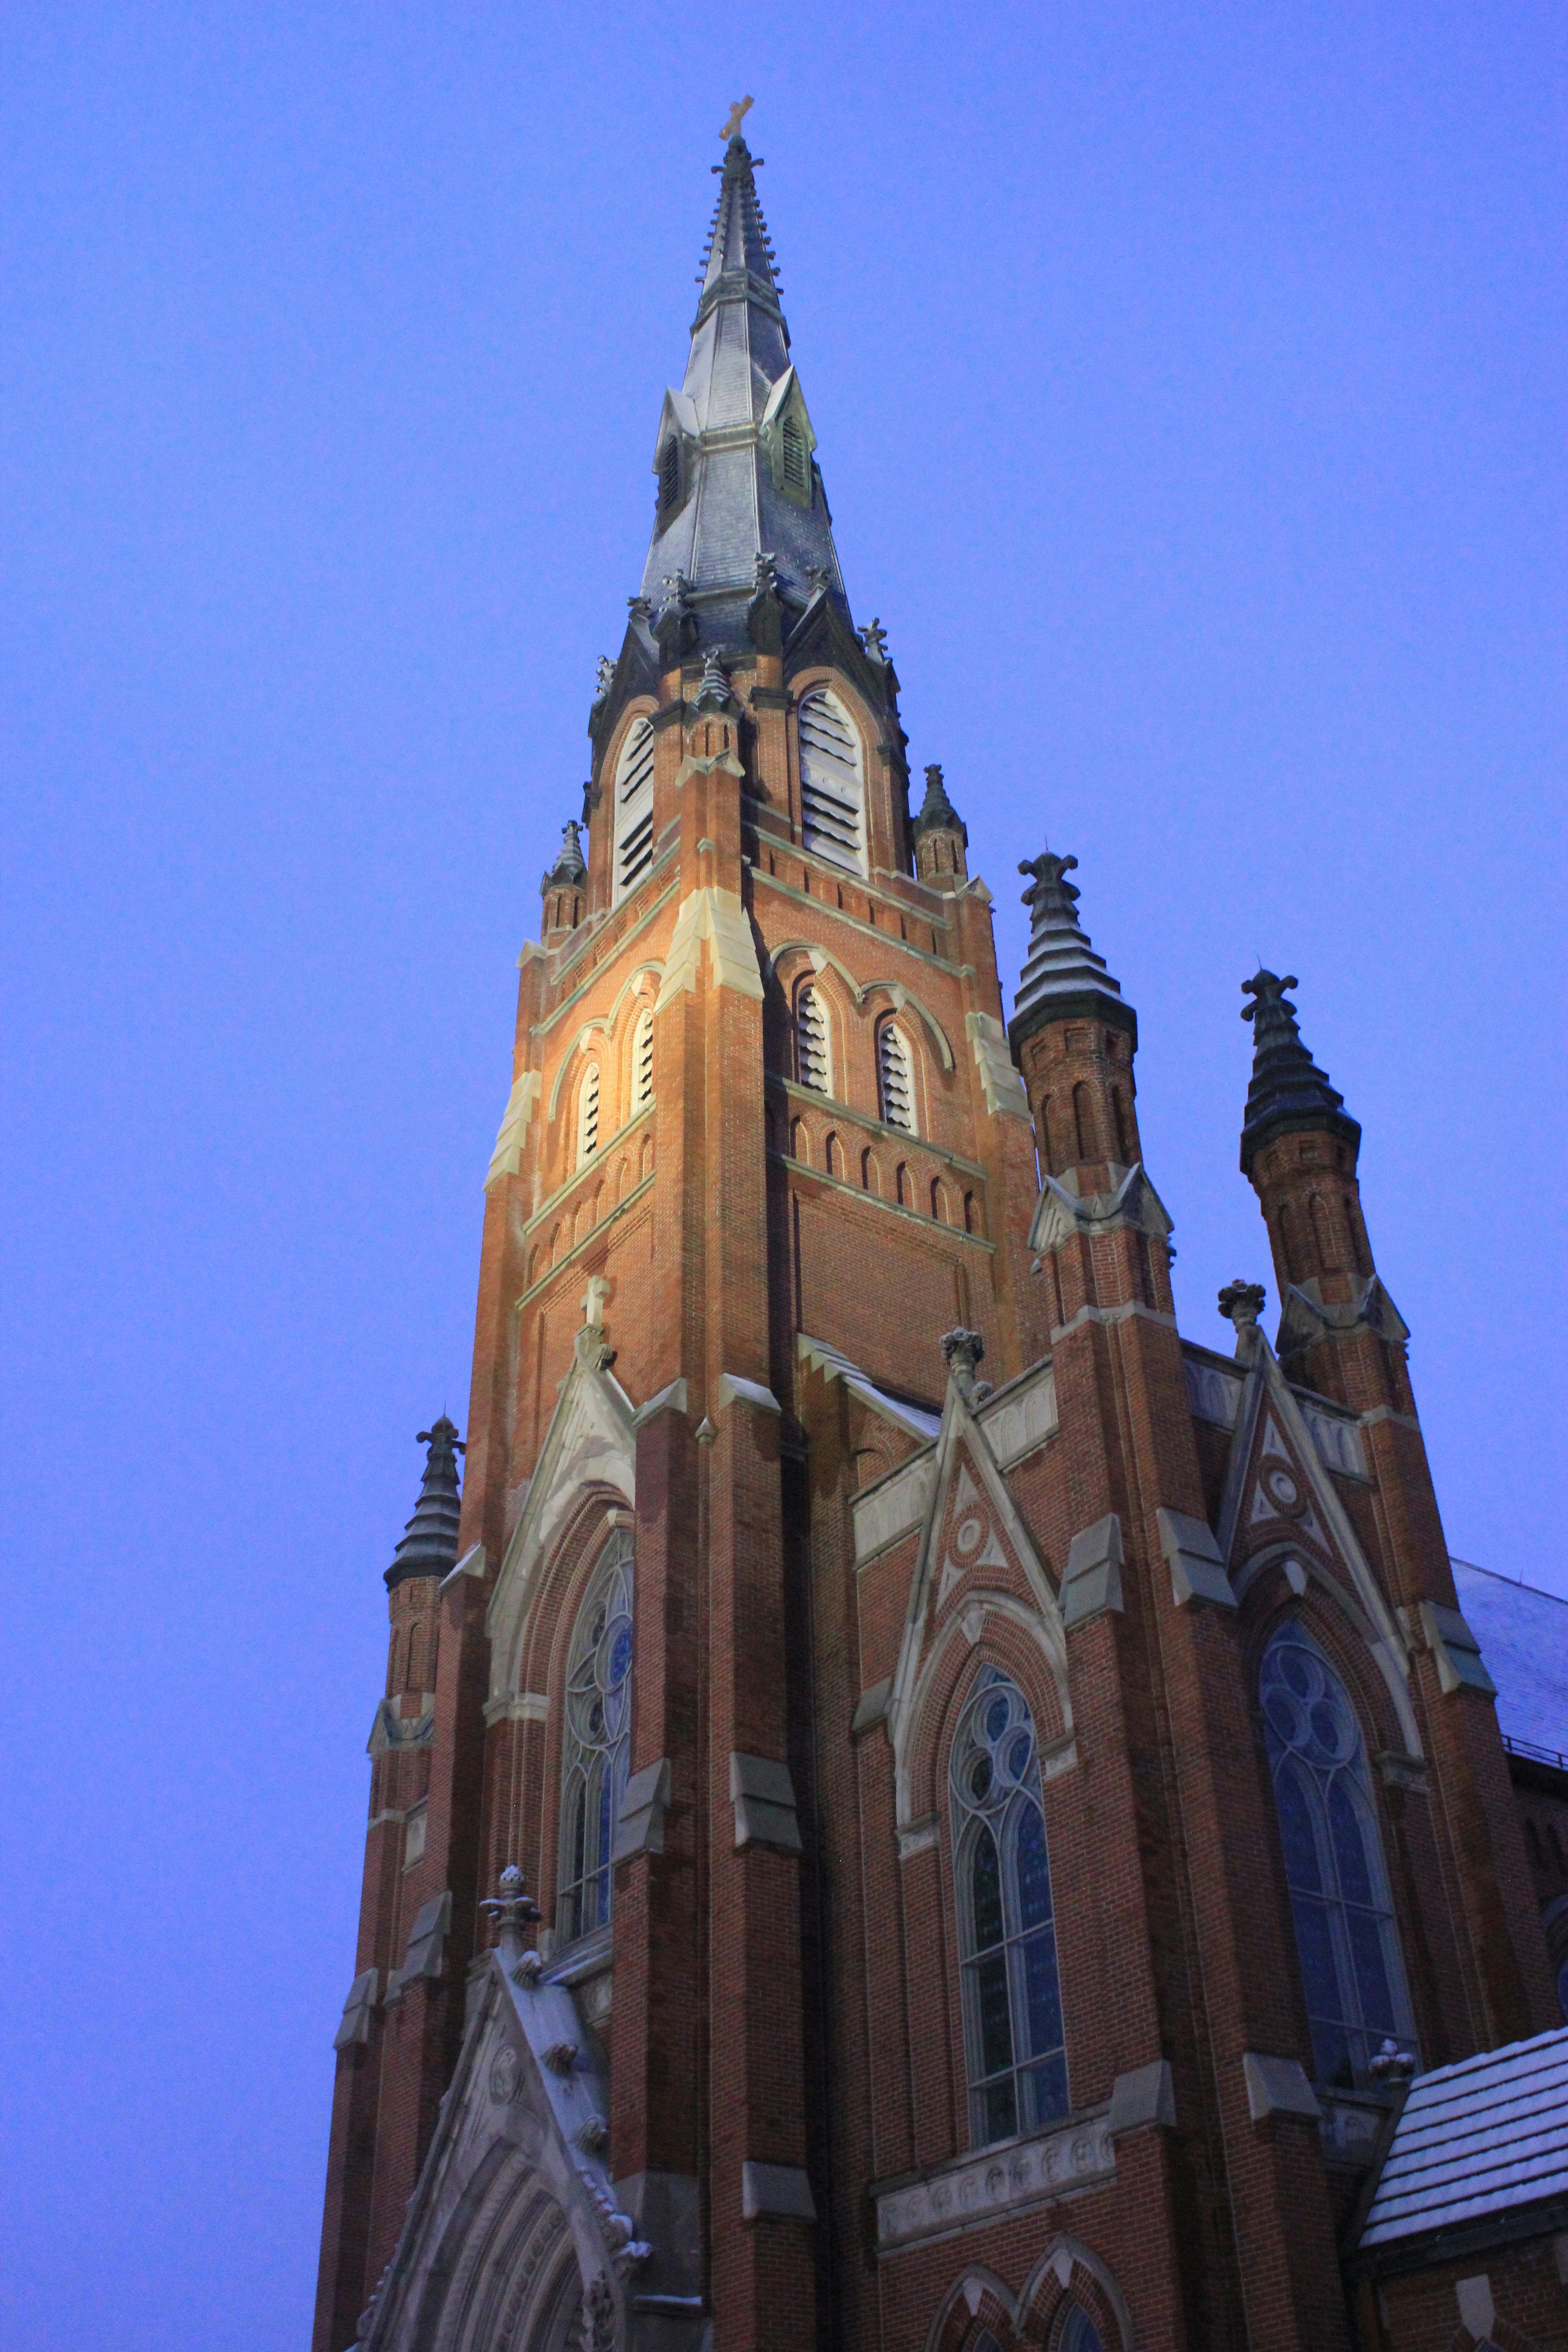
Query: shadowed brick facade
point(826, 1379)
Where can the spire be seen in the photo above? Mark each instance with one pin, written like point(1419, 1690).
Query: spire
point(1288, 1093)
point(1062, 975)
point(733, 454)
point(937, 811)
point(429, 1546)
point(569, 871)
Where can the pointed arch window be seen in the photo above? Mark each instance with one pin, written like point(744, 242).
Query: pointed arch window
point(895, 1084)
point(642, 1061)
point(634, 808)
point(588, 1115)
point(1013, 2043)
point(1352, 1972)
point(597, 1742)
point(813, 1044)
point(832, 787)
point(1081, 2334)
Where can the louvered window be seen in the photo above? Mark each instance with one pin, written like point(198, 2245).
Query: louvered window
point(588, 1114)
point(796, 463)
point(893, 1078)
point(832, 793)
point(642, 1061)
point(813, 1057)
point(634, 808)
point(670, 473)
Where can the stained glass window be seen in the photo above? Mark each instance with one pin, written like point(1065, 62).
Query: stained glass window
point(597, 1742)
point(1352, 1970)
point(1011, 2003)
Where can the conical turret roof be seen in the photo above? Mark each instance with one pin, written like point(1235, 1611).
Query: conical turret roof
point(744, 481)
point(1061, 974)
point(429, 1546)
point(937, 811)
point(1288, 1093)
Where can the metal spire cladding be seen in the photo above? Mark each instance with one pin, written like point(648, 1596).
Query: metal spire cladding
point(1061, 974)
point(734, 453)
point(1288, 1092)
point(429, 1546)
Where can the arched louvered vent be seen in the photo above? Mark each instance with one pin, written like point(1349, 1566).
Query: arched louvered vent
point(588, 1114)
point(797, 461)
point(894, 1083)
point(832, 793)
point(642, 1061)
point(670, 473)
point(634, 808)
point(813, 1055)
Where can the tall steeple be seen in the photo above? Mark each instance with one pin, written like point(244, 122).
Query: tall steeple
point(733, 456)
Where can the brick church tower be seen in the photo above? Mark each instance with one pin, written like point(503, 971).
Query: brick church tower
point(914, 1808)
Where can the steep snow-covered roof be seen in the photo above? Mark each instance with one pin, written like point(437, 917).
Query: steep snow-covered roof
point(1523, 1635)
point(1476, 2139)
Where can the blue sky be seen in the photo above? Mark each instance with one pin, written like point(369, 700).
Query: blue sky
point(1189, 387)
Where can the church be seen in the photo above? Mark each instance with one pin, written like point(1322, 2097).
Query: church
point(916, 1807)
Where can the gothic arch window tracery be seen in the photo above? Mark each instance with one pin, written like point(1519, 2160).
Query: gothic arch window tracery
point(1352, 1972)
point(1014, 2041)
point(633, 809)
point(596, 1742)
point(832, 785)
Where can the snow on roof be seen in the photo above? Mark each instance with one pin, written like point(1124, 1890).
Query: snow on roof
point(1476, 2139)
point(1523, 1635)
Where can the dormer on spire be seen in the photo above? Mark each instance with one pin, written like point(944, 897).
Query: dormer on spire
point(1288, 1094)
point(429, 1545)
point(941, 835)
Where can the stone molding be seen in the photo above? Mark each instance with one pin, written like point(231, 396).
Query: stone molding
point(1197, 1569)
point(972, 2190)
point(1004, 1088)
point(1277, 2086)
point(1092, 1584)
point(717, 917)
point(513, 1135)
point(764, 1797)
point(354, 2026)
point(775, 2192)
point(640, 1826)
point(1146, 2096)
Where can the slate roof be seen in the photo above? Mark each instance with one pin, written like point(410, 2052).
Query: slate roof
point(734, 509)
point(1523, 1635)
point(1476, 2141)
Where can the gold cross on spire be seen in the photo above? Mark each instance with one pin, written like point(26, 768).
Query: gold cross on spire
point(741, 107)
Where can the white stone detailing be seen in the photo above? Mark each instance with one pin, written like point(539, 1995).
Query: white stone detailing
point(717, 917)
point(1197, 1570)
point(1004, 1088)
point(775, 2192)
point(996, 2181)
point(1214, 1395)
point(1277, 2086)
point(894, 1506)
point(1060, 1213)
point(512, 1134)
point(729, 1385)
point(1337, 1442)
point(1022, 1418)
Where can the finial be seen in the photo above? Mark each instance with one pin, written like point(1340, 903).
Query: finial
point(874, 637)
point(714, 692)
point(1390, 2063)
point(818, 578)
point(738, 110)
point(511, 1910)
point(961, 1352)
point(1241, 1303)
point(1268, 990)
point(1049, 888)
point(593, 1300)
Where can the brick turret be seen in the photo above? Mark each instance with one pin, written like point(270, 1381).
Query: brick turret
point(1339, 1332)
